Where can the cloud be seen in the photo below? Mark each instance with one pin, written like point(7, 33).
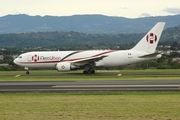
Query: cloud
point(123, 8)
point(172, 10)
point(15, 12)
point(145, 15)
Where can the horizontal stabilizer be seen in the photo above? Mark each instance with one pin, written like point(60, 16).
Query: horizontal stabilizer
point(150, 55)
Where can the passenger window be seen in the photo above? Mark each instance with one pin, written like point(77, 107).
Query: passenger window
point(20, 57)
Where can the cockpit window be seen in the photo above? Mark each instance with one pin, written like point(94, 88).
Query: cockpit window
point(20, 57)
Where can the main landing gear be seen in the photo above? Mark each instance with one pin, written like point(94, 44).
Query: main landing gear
point(88, 70)
point(27, 70)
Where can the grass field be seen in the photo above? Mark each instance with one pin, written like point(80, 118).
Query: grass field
point(53, 75)
point(90, 106)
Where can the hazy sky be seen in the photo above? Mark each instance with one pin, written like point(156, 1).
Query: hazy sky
point(124, 8)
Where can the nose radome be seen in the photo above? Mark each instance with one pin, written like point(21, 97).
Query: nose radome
point(15, 61)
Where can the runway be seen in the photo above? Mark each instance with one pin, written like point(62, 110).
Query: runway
point(90, 86)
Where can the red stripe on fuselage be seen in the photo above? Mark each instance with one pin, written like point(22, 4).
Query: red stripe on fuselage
point(39, 62)
point(103, 53)
point(70, 60)
point(94, 56)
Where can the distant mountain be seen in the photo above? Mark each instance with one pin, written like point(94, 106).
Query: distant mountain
point(76, 41)
point(82, 23)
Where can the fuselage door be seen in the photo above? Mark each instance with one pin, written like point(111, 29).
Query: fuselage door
point(30, 58)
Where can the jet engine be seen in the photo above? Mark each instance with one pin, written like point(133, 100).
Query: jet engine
point(63, 66)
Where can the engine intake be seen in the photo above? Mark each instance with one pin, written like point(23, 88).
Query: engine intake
point(63, 66)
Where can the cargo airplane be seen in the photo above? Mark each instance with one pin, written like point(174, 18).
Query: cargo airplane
point(144, 50)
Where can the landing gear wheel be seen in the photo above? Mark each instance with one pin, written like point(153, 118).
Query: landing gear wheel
point(88, 68)
point(92, 71)
point(27, 70)
point(89, 72)
point(27, 73)
point(85, 72)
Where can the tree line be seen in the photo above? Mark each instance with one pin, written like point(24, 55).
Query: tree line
point(15, 44)
point(76, 40)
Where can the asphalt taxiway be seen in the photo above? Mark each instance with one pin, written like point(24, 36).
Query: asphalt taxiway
point(86, 86)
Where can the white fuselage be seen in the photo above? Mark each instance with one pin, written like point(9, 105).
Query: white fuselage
point(71, 60)
point(46, 59)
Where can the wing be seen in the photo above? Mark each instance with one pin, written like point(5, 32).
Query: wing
point(82, 58)
point(85, 61)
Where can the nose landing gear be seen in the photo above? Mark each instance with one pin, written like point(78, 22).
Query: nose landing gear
point(27, 70)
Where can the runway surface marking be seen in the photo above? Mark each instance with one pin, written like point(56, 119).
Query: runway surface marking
point(71, 86)
point(58, 86)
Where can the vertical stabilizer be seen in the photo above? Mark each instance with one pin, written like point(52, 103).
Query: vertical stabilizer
point(149, 42)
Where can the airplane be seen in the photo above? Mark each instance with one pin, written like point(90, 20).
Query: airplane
point(144, 50)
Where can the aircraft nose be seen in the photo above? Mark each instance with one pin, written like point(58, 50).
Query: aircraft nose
point(15, 61)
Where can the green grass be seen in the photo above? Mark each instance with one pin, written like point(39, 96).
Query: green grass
point(85, 78)
point(53, 75)
point(91, 106)
point(80, 71)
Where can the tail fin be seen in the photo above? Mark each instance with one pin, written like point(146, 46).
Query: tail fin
point(149, 42)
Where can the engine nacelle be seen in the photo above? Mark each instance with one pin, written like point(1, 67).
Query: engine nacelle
point(63, 66)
